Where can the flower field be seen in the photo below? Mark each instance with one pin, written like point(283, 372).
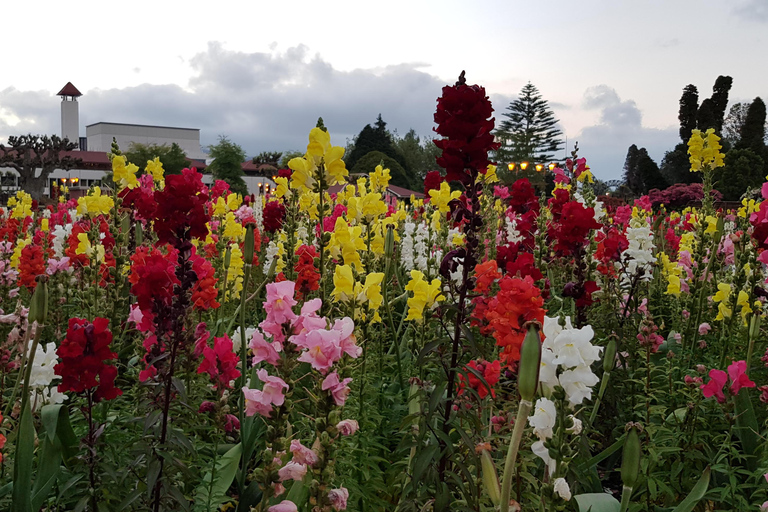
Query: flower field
point(170, 346)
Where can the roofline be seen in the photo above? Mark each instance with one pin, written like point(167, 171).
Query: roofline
point(143, 126)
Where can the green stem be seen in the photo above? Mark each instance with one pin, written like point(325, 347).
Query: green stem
point(626, 494)
point(28, 369)
point(514, 445)
point(603, 387)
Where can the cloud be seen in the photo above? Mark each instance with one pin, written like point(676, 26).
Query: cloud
point(262, 101)
point(667, 43)
point(620, 125)
point(752, 10)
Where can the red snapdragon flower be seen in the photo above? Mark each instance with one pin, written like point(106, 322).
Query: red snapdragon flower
point(570, 232)
point(273, 216)
point(205, 291)
point(432, 181)
point(84, 354)
point(307, 275)
point(220, 363)
point(31, 265)
point(181, 213)
point(490, 372)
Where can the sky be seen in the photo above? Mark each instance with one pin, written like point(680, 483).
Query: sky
point(261, 73)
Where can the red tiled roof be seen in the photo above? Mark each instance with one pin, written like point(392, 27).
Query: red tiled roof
point(261, 169)
point(69, 90)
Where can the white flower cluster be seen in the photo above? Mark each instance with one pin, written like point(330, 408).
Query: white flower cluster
point(640, 253)
point(258, 212)
point(570, 351)
point(413, 249)
point(60, 235)
point(42, 375)
point(513, 235)
point(273, 250)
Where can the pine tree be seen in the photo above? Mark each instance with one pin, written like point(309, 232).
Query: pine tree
point(641, 174)
point(529, 133)
point(631, 171)
point(689, 106)
point(753, 129)
point(720, 100)
point(227, 164)
point(374, 138)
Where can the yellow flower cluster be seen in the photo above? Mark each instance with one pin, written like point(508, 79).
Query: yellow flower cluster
point(155, 168)
point(95, 203)
point(704, 151)
point(235, 272)
point(425, 295)
point(440, 198)
point(123, 173)
point(320, 152)
point(22, 205)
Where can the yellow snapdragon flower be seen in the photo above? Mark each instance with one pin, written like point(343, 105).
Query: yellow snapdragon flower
point(380, 179)
point(425, 295)
point(705, 151)
point(721, 297)
point(155, 168)
point(123, 173)
point(95, 203)
point(441, 197)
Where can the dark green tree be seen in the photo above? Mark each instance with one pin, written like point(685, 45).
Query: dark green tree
point(28, 154)
point(227, 164)
point(676, 168)
point(743, 170)
point(419, 154)
point(752, 134)
point(720, 100)
point(374, 138)
point(268, 158)
point(649, 173)
point(529, 131)
point(689, 106)
point(172, 157)
point(399, 176)
point(632, 171)
point(288, 156)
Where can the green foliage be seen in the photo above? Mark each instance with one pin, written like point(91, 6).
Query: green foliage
point(752, 133)
point(272, 158)
point(368, 164)
point(419, 154)
point(287, 156)
point(374, 138)
point(227, 164)
point(212, 491)
point(641, 174)
point(676, 168)
point(529, 131)
point(689, 105)
point(743, 170)
point(172, 157)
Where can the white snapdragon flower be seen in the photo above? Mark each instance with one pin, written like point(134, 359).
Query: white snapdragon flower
point(237, 337)
point(548, 371)
point(544, 418)
point(406, 246)
point(578, 383)
point(572, 347)
point(541, 451)
point(562, 489)
point(42, 366)
point(577, 425)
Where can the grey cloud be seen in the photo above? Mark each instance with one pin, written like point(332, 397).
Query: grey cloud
point(605, 144)
point(667, 43)
point(261, 101)
point(752, 10)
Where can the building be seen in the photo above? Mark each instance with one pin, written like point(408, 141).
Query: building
point(97, 143)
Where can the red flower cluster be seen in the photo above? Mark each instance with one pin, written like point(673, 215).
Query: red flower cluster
point(307, 275)
point(571, 230)
point(180, 212)
point(153, 277)
point(490, 372)
point(220, 363)
point(205, 291)
point(462, 119)
point(432, 182)
point(84, 354)
point(31, 265)
point(519, 301)
point(515, 261)
point(610, 245)
point(273, 216)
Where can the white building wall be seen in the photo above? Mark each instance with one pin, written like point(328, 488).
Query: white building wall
point(100, 137)
point(70, 120)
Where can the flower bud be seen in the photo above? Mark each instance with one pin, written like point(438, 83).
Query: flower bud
point(754, 327)
point(38, 307)
point(719, 228)
point(530, 363)
point(228, 257)
point(630, 458)
point(389, 243)
point(490, 478)
point(125, 224)
point(609, 359)
point(139, 230)
point(249, 245)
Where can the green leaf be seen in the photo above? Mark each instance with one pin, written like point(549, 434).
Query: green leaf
point(746, 427)
point(22, 465)
point(597, 502)
point(698, 492)
point(212, 491)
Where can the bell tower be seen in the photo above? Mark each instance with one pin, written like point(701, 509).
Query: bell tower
point(70, 115)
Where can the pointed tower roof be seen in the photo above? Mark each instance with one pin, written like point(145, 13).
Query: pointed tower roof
point(69, 90)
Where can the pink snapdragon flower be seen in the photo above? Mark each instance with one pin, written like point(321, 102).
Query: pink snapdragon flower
point(346, 327)
point(501, 192)
point(283, 506)
point(347, 427)
point(704, 328)
point(302, 454)
point(714, 387)
point(338, 498)
point(280, 301)
point(323, 349)
point(737, 371)
point(292, 471)
point(263, 350)
point(273, 387)
point(261, 400)
point(338, 389)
